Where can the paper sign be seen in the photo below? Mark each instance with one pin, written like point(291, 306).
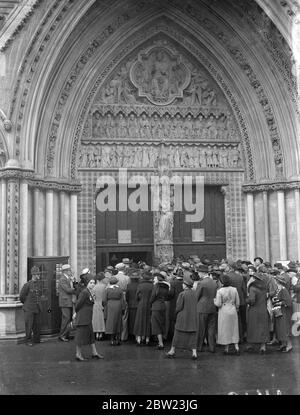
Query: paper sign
point(124, 237)
point(198, 235)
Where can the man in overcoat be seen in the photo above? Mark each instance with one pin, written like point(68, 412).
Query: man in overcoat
point(30, 296)
point(206, 311)
point(66, 291)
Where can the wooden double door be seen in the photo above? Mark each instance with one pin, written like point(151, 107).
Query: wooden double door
point(130, 234)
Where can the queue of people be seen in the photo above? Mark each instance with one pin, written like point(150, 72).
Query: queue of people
point(196, 304)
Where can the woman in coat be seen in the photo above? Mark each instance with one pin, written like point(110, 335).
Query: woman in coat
point(131, 299)
point(257, 313)
point(114, 306)
point(185, 334)
point(282, 310)
point(84, 328)
point(98, 314)
point(227, 300)
point(142, 324)
point(160, 294)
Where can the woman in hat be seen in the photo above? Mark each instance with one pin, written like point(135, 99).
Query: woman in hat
point(160, 293)
point(142, 324)
point(84, 314)
point(98, 314)
point(114, 306)
point(83, 277)
point(257, 313)
point(282, 310)
point(185, 334)
point(227, 300)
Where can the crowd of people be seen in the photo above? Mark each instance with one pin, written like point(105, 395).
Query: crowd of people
point(194, 303)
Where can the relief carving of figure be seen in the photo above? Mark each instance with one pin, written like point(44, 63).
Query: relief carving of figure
point(145, 127)
point(178, 126)
point(198, 126)
point(167, 126)
point(145, 156)
point(160, 75)
point(194, 90)
point(209, 97)
point(177, 158)
point(107, 95)
point(106, 156)
point(133, 128)
point(209, 157)
point(188, 127)
point(215, 157)
point(153, 156)
point(166, 222)
point(96, 124)
point(110, 130)
point(223, 156)
point(212, 131)
point(122, 131)
point(202, 158)
point(235, 157)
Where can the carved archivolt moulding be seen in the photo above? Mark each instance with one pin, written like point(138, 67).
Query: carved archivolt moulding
point(272, 186)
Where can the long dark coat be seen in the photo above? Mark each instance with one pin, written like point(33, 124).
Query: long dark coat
point(132, 304)
point(84, 308)
point(114, 304)
point(257, 313)
point(142, 325)
point(283, 323)
point(160, 294)
point(186, 311)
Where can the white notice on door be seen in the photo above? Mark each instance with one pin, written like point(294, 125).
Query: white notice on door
point(198, 235)
point(124, 237)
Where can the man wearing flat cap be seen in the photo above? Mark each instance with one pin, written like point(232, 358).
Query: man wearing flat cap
point(66, 291)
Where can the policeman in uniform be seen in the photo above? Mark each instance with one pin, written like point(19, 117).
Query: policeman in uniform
point(30, 296)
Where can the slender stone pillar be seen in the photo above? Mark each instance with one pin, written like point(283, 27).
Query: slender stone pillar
point(282, 225)
point(23, 234)
point(266, 226)
point(13, 200)
point(49, 223)
point(297, 207)
point(3, 238)
point(73, 233)
point(38, 222)
point(64, 223)
point(251, 226)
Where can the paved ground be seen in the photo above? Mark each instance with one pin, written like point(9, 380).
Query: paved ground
point(50, 369)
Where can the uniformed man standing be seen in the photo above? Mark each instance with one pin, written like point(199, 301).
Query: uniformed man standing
point(30, 296)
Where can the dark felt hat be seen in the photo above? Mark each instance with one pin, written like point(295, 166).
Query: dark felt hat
point(113, 280)
point(280, 279)
point(100, 276)
point(259, 258)
point(202, 268)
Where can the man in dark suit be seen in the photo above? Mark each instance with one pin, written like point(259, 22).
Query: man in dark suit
point(206, 310)
point(238, 281)
point(30, 296)
point(66, 291)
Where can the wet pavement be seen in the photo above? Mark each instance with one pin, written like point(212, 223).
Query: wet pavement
point(50, 369)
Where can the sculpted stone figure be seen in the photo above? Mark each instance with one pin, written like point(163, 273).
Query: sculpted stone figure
point(160, 74)
point(110, 130)
point(166, 222)
point(145, 127)
point(96, 124)
point(178, 126)
point(210, 97)
point(223, 157)
point(211, 127)
point(188, 127)
point(133, 128)
point(198, 127)
point(209, 156)
point(121, 126)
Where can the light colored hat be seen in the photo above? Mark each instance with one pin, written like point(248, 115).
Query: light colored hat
point(65, 267)
point(185, 265)
point(120, 265)
point(85, 271)
point(126, 261)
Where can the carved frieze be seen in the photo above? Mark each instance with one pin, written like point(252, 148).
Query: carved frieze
point(147, 123)
point(147, 155)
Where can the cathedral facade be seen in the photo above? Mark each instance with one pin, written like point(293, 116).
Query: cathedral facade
point(168, 89)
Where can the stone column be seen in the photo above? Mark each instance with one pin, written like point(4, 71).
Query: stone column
point(266, 225)
point(297, 207)
point(49, 223)
point(38, 242)
point(73, 233)
point(23, 233)
point(64, 202)
point(282, 225)
point(226, 194)
point(251, 226)
point(3, 241)
point(13, 236)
